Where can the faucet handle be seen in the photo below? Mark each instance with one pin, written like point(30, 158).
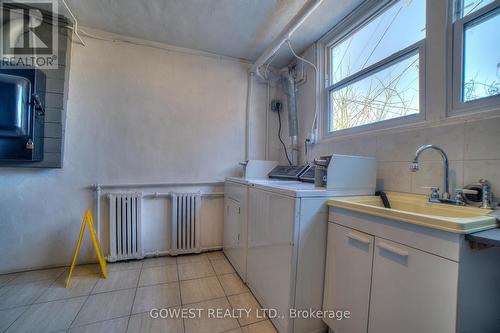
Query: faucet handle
point(435, 191)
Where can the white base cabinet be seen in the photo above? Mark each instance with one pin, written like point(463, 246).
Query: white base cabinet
point(412, 291)
point(394, 277)
point(348, 277)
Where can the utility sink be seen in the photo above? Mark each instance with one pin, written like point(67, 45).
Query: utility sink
point(416, 209)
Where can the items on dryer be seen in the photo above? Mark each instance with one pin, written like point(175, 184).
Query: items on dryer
point(321, 170)
point(352, 174)
point(316, 172)
point(288, 172)
point(308, 175)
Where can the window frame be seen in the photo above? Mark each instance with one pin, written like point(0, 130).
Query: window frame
point(458, 107)
point(357, 20)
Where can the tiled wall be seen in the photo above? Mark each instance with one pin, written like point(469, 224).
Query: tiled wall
point(55, 106)
point(473, 148)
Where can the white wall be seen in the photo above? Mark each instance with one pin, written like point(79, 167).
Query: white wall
point(136, 114)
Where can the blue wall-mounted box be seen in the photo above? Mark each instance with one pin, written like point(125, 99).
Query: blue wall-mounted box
point(22, 111)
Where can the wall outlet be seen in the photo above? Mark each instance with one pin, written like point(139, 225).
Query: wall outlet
point(276, 105)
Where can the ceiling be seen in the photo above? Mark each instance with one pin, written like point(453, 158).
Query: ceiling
point(236, 28)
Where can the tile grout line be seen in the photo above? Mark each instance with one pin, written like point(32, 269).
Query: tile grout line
point(135, 294)
point(107, 291)
point(211, 299)
point(232, 308)
point(227, 297)
point(180, 289)
point(96, 322)
point(67, 298)
point(28, 306)
point(29, 303)
point(224, 290)
point(84, 303)
point(180, 294)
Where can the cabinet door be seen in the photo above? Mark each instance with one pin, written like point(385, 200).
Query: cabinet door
point(412, 291)
point(348, 277)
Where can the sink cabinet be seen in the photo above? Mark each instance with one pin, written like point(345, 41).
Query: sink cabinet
point(412, 291)
point(348, 276)
point(397, 277)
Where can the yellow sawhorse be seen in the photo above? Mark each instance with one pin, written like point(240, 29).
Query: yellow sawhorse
point(87, 219)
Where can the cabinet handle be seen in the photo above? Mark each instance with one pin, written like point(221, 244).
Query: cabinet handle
point(359, 238)
point(393, 249)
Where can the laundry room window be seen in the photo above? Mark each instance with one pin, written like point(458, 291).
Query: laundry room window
point(375, 70)
point(476, 55)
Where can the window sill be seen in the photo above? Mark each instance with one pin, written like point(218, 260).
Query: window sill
point(417, 123)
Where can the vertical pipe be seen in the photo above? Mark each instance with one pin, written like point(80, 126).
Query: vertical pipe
point(251, 76)
point(188, 216)
point(268, 101)
point(293, 124)
point(133, 227)
point(138, 230)
point(98, 212)
point(119, 227)
point(175, 232)
point(112, 226)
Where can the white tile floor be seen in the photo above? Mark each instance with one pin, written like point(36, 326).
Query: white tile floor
point(37, 301)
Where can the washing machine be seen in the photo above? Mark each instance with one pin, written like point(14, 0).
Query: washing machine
point(276, 233)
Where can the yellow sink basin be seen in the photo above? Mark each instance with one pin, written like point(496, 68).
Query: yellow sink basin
point(416, 209)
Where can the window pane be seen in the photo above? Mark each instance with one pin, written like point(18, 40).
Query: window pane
point(469, 6)
point(389, 93)
point(396, 28)
point(482, 57)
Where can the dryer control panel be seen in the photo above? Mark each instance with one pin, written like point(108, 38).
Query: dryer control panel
point(288, 172)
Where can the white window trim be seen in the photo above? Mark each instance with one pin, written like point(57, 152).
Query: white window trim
point(359, 18)
point(458, 108)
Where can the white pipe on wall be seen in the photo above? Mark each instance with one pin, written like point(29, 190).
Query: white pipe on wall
point(251, 76)
point(98, 211)
point(268, 102)
point(285, 34)
point(156, 195)
point(209, 183)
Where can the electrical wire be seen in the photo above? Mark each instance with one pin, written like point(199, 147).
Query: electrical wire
point(281, 140)
point(75, 28)
point(299, 57)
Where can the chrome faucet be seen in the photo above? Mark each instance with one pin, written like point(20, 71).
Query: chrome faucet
point(415, 166)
